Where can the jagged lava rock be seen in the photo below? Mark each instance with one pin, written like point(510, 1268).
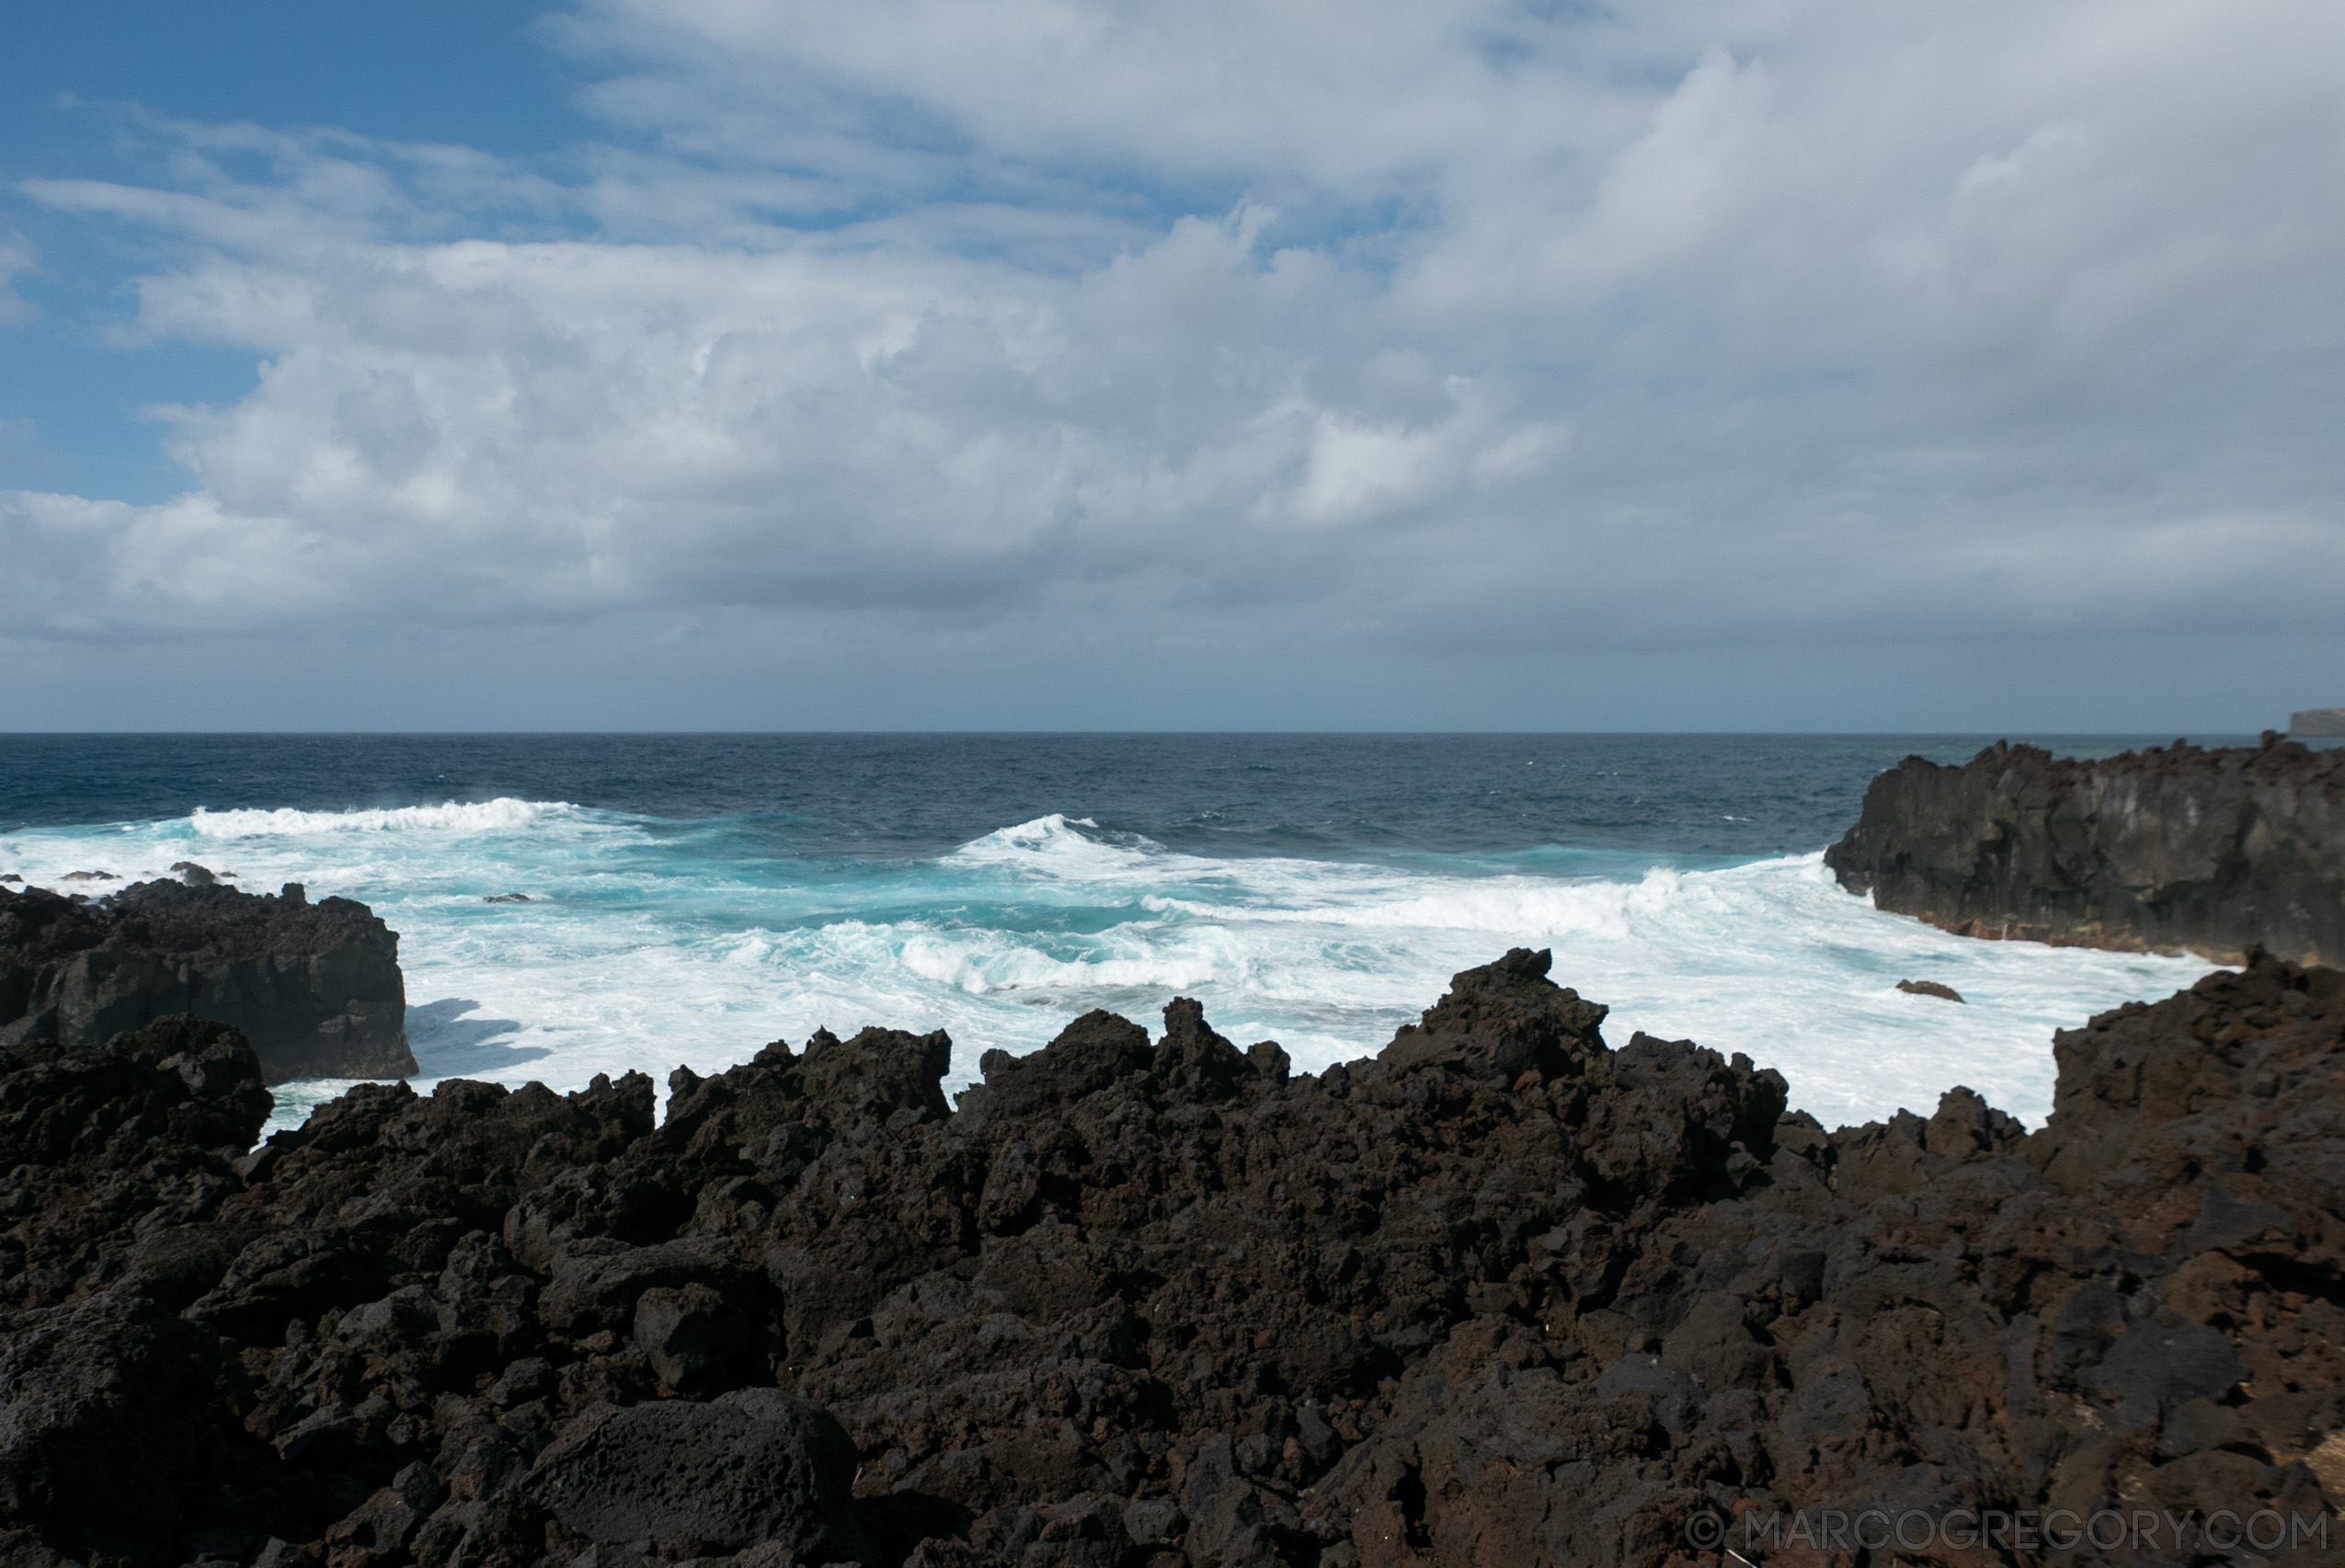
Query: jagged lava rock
point(105, 1413)
point(314, 987)
point(2172, 848)
point(757, 1467)
point(1502, 1295)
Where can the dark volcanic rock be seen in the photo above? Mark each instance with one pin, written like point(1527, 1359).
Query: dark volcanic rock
point(315, 988)
point(104, 1418)
point(2167, 850)
point(757, 1467)
point(118, 1158)
point(1502, 1295)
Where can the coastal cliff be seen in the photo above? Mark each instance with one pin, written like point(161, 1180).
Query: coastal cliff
point(1502, 1294)
point(2171, 849)
point(314, 988)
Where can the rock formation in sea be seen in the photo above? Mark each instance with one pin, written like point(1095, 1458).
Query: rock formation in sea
point(1502, 1294)
point(2172, 848)
point(314, 988)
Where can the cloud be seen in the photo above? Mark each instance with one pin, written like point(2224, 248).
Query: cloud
point(1482, 327)
point(15, 258)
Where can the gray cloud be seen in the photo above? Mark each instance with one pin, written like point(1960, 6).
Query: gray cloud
point(1439, 329)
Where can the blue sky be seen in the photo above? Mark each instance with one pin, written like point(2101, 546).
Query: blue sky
point(1061, 363)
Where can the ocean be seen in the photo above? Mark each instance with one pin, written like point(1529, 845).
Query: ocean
point(690, 898)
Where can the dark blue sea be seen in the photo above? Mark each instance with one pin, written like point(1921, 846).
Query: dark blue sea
point(690, 898)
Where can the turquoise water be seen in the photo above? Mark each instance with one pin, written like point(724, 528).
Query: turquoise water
point(692, 898)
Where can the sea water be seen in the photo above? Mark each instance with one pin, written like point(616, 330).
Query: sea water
point(690, 898)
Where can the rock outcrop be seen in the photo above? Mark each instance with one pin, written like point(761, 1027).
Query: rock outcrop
point(1502, 1295)
point(2174, 848)
point(315, 988)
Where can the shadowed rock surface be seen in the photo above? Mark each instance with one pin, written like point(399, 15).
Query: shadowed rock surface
point(2319, 722)
point(315, 988)
point(2170, 850)
point(1502, 1294)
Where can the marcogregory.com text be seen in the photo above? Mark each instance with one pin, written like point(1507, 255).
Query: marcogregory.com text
point(2018, 1529)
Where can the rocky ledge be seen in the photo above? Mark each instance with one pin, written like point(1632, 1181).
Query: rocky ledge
point(314, 988)
point(1500, 1295)
point(2170, 850)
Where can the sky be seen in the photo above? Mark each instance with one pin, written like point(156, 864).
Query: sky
point(1126, 364)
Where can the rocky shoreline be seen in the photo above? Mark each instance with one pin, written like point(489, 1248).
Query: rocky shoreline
point(314, 988)
point(1501, 1294)
point(2174, 848)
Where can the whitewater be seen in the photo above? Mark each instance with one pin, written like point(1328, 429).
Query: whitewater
point(652, 939)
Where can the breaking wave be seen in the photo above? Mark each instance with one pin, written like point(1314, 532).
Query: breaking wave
point(500, 816)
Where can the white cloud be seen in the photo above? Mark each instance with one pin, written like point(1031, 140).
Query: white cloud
point(1479, 326)
point(15, 258)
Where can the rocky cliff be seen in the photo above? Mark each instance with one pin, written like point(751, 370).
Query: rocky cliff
point(2172, 848)
point(1502, 1295)
point(314, 988)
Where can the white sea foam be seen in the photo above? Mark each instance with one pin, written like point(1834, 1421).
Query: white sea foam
point(502, 815)
point(1129, 956)
point(1498, 904)
point(640, 950)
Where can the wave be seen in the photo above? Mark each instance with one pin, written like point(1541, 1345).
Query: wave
point(1056, 846)
point(501, 815)
point(643, 949)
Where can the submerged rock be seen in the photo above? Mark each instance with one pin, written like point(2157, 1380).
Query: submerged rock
point(315, 988)
point(1929, 988)
point(1502, 1294)
point(2171, 849)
